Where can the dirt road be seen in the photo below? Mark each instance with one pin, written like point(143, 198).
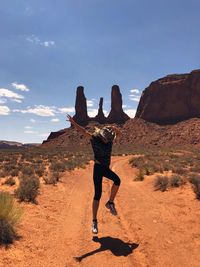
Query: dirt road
point(152, 228)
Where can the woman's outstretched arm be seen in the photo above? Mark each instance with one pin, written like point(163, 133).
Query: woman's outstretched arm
point(78, 127)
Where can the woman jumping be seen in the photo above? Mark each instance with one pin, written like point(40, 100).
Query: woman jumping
point(101, 141)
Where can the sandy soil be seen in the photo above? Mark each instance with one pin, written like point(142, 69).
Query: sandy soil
point(152, 229)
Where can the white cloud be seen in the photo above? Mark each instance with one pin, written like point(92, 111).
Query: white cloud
point(39, 110)
point(92, 112)
point(135, 95)
point(130, 112)
point(135, 98)
point(4, 110)
point(32, 120)
point(90, 103)
point(28, 127)
point(55, 120)
point(124, 106)
point(48, 43)
point(36, 40)
point(30, 132)
point(3, 100)
point(135, 91)
point(67, 110)
point(5, 93)
point(20, 86)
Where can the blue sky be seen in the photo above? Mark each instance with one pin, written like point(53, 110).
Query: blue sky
point(48, 48)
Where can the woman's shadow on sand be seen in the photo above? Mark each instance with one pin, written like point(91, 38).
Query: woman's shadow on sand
point(115, 245)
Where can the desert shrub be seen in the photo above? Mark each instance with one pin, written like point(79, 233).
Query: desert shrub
point(161, 183)
point(39, 170)
point(195, 181)
point(53, 178)
point(14, 172)
point(139, 176)
point(28, 188)
point(9, 217)
point(179, 170)
point(27, 170)
point(10, 181)
point(195, 168)
point(176, 180)
point(58, 166)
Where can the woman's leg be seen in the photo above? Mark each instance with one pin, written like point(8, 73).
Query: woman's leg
point(97, 178)
point(108, 173)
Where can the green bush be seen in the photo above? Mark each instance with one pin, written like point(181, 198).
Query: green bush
point(139, 176)
point(52, 179)
point(176, 180)
point(195, 181)
point(28, 188)
point(9, 217)
point(161, 183)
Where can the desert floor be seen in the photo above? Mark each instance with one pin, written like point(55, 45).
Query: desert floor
point(152, 228)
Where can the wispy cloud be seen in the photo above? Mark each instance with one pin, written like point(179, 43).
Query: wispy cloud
point(66, 110)
point(45, 111)
point(6, 93)
point(135, 95)
point(28, 127)
point(40, 110)
point(130, 112)
point(3, 100)
point(36, 40)
point(20, 86)
point(55, 120)
point(90, 103)
point(30, 132)
point(4, 110)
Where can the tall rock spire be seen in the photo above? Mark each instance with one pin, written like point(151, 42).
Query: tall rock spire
point(81, 116)
point(116, 115)
point(100, 116)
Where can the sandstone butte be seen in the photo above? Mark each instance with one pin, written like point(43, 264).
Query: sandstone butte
point(168, 114)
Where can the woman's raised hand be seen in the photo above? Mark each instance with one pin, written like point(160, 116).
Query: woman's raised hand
point(69, 118)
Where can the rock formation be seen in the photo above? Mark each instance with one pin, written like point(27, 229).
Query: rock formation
point(116, 114)
point(100, 117)
point(171, 99)
point(81, 116)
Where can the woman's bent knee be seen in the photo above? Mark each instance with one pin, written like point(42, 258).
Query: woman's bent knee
point(117, 181)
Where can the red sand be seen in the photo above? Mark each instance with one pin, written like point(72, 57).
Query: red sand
point(162, 226)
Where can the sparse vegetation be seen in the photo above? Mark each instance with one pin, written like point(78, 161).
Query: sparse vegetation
point(9, 217)
point(28, 188)
point(139, 176)
point(161, 183)
point(176, 180)
point(195, 181)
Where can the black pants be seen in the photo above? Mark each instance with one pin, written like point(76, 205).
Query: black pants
point(99, 172)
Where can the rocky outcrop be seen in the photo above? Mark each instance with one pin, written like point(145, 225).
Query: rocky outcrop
point(116, 114)
point(100, 117)
point(171, 99)
point(81, 116)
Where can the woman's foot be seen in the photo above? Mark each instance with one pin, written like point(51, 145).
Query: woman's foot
point(94, 227)
point(111, 206)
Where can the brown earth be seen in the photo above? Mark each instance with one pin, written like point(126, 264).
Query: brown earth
point(136, 132)
point(163, 227)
